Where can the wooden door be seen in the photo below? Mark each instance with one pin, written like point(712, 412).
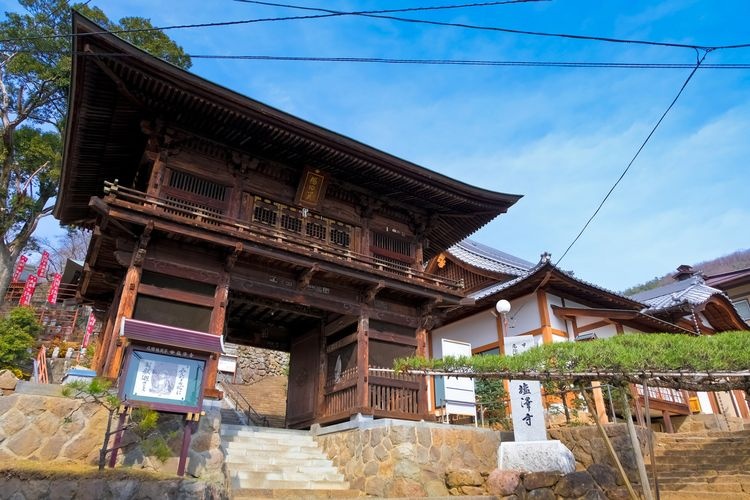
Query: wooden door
point(303, 380)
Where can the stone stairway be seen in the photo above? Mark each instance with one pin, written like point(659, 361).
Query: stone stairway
point(263, 462)
point(703, 465)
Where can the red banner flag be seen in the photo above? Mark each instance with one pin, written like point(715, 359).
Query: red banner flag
point(54, 287)
point(89, 329)
point(28, 290)
point(42, 270)
point(19, 267)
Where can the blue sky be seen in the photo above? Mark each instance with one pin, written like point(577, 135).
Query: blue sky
point(559, 136)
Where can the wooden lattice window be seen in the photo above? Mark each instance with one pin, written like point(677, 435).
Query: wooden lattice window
point(301, 222)
point(265, 213)
point(193, 196)
point(340, 235)
point(393, 250)
point(392, 244)
point(316, 230)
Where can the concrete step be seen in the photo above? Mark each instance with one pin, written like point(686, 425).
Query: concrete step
point(245, 429)
point(240, 483)
point(287, 475)
point(695, 487)
point(703, 495)
point(268, 460)
point(258, 493)
point(290, 460)
point(314, 469)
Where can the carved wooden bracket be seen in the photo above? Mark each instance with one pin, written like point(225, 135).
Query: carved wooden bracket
point(140, 254)
point(431, 316)
point(232, 258)
point(368, 206)
point(304, 278)
point(370, 293)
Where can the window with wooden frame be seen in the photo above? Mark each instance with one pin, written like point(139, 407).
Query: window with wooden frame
point(193, 196)
point(391, 249)
point(300, 221)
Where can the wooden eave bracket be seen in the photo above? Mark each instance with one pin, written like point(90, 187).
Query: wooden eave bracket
point(305, 277)
point(430, 316)
point(140, 253)
point(372, 292)
point(232, 258)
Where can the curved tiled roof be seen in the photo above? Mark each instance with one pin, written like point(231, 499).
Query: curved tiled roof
point(483, 257)
point(692, 291)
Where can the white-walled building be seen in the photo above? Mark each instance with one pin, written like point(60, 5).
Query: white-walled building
point(551, 305)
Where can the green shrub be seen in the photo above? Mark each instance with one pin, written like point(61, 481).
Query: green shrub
point(18, 331)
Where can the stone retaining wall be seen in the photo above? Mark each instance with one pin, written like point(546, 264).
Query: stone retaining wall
point(23, 488)
point(588, 446)
point(254, 363)
point(48, 429)
point(398, 458)
point(416, 459)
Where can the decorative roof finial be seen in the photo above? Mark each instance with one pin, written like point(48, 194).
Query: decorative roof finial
point(546, 257)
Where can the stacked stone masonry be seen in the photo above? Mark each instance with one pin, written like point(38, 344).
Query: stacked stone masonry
point(49, 429)
point(254, 364)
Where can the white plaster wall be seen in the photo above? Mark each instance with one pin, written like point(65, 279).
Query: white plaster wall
point(602, 332)
point(523, 316)
point(477, 330)
point(555, 322)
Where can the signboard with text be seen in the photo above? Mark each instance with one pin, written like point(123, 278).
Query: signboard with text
point(163, 379)
point(527, 411)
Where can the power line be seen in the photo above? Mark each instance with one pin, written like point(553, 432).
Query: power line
point(406, 9)
point(375, 14)
point(262, 20)
point(637, 153)
point(379, 15)
point(443, 62)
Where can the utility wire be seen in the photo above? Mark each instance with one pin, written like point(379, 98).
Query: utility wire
point(374, 14)
point(378, 15)
point(637, 153)
point(406, 9)
point(440, 62)
point(263, 20)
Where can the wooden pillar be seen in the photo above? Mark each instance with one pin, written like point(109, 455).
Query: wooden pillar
point(601, 409)
point(216, 327)
point(422, 335)
point(363, 360)
point(102, 346)
point(323, 372)
point(541, 300)
point(500, 326)
point(124, 310)
point(667, 422)
point(126, 305)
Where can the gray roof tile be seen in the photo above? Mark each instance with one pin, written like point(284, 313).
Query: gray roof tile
point(484, 257)
point(692, 291)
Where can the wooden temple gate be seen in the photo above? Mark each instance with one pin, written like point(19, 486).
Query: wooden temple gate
point(216, 213)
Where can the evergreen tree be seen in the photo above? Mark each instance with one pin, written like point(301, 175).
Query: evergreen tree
point(35, 60)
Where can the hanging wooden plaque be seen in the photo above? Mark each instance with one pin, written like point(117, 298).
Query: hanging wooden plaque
point(312, 188)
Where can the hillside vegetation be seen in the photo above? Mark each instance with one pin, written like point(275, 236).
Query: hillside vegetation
point(732, 262)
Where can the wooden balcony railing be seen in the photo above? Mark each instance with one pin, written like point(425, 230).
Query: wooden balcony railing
point(388, 395)
point(395, 393)
point(172, 209)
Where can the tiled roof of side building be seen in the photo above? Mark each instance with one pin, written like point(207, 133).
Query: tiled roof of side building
point(692, 291)
point(484, 257)
point(498, 287)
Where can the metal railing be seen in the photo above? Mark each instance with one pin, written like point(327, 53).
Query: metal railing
point(241, 403)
